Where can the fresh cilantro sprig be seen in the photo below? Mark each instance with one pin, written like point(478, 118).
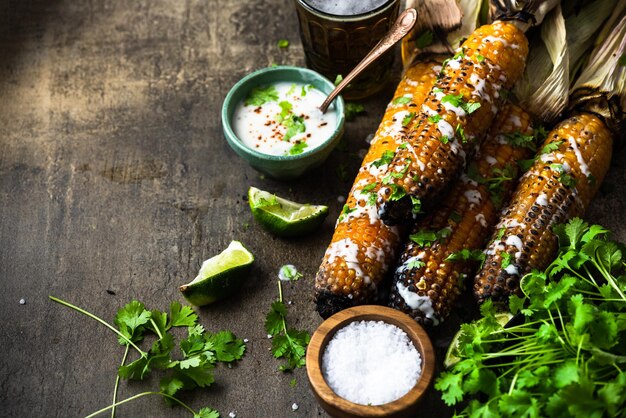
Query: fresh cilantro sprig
point(466, 255)
point(201, 351)
point(385, 158)
point(426, 237)
point(565, 355)
point(287, 343)
point(518, 139)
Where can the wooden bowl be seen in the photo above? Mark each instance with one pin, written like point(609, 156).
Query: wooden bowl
point(336, 406)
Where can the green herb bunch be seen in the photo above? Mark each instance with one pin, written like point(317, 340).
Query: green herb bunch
point(566, 356)
point(200, 351)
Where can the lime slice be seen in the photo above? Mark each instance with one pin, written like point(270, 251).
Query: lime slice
point(452, 355)
point(283, 217)
point(219, 276)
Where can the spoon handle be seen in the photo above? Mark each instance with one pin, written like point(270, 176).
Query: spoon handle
point(400, 28)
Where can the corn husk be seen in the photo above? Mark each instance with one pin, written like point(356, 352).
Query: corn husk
point(601, 87)
point(545, 85)
point(556, 53)
point(448, 22)
point(583, 24)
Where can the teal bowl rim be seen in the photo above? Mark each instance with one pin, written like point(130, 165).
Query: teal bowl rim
point(226, 122)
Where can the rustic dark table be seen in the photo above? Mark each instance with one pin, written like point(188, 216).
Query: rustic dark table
point(116, 183)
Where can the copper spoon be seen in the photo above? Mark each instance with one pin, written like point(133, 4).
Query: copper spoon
point(400, 28)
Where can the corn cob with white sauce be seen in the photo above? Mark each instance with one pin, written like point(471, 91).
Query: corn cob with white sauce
point(454, 118)
point(443, 245)
point(363, 248)
point(559, 185)
point(565, 174)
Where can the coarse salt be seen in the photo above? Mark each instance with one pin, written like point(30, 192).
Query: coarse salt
point(371, 363)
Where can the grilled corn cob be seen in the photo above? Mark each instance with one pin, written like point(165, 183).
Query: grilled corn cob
point(362, 248)
point(565, 174)
point(440, 253)
point(559, 185)
point(455, 116)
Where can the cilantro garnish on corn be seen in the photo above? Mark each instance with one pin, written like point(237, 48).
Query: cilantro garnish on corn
point(455, 116)
point(363, 248)
point(564, 176)
point(446, 246)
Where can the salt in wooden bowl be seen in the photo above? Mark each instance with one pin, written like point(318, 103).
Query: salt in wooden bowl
point(336, 406)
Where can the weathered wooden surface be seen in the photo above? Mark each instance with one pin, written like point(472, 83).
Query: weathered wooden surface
point(114, 175)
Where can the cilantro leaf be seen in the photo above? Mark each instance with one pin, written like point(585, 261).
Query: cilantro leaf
point(470, 107)
point(261, 95)
point(397, 192)
point(170, 385)
point(520, 140)
point(550, 147)
point(295, 125)
point(466, 255)
point(385, 158)
point(130, 321)
point(298, 148)
point(451, 386)
point(434, 118)
point(226, 346)
point(408, 118)
point(401, 100)
point(207, 413)
point(181, 316)
point(454, 100)
point(274, 318)
point(415, 263)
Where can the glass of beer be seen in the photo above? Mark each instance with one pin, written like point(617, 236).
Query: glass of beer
point(337, 34)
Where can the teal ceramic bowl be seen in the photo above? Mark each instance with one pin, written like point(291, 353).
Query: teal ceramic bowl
point(281, 166)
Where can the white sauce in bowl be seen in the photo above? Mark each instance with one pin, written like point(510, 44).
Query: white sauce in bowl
point(283, 119)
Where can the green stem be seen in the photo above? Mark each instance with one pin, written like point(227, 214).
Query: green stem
point(280, 292)
point(117, 381)
point(139, 396)
point(609, 278)
point(156, 329)
point(102, 321)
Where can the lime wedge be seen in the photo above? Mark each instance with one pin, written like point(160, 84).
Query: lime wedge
point(452, 355)
point(220, 276)
point(283, 217)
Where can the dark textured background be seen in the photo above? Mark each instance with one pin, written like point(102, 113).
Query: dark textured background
point(114, 175)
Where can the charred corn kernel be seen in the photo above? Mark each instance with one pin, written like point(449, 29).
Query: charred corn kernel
point(362, 248)
point(560, 184)
point(443, 247)
point(455, 116)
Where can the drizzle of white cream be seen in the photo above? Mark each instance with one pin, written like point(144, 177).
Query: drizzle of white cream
point(542, 199)
point(417, 302)
point(491, 160)
point(481, 219)
point(581, 161)
point(348, 251)
point(515, 241)
point(515, 120)
point(472, 196)
point(512, 269)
